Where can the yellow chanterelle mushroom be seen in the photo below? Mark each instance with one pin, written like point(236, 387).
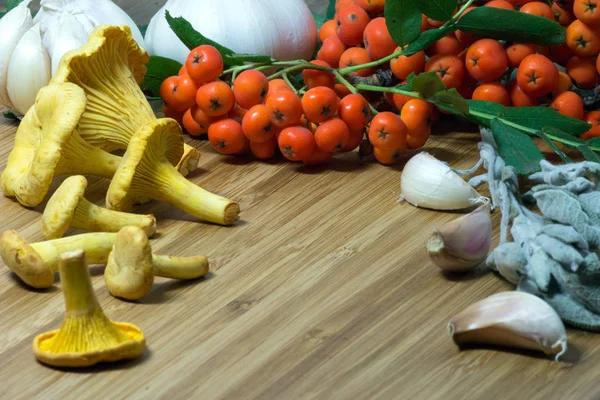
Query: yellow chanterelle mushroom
point(109, 68)
point(131, 266)
point(36, 263)
point(87, 336)
point(47, 144)
point(68, 208)
point(148, 171)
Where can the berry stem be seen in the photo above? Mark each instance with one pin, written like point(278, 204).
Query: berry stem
point(347, 70)
point(290, 84)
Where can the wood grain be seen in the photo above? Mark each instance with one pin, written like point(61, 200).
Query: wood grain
point(322, 291)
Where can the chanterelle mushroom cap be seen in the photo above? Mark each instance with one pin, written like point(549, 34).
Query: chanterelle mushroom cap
point(36, 263)
point(47, 144)
point(25, 261)
point(86, 336)
point(109, 68)
point(129, 273)
point(61, 207)
point(68, 208)
point(152, 143)
point(148, 171)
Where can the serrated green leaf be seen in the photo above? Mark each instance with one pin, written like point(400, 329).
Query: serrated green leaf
point(330, 9)
point(439, 10)
point(512, 26)
point(428, 84)
point(539, 117)
point(10, 115)
point(559, 133)
point(594, 142)
point(428, 38)
point(589, 154)
point(403, 20)
point(10, 4)
point(158, 69)
point(553, 146)
point(517, 149)
point(453, 99)
point(534, 118)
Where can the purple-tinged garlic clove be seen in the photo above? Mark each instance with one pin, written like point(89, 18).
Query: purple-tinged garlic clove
point(464, 243)
point(511, 319)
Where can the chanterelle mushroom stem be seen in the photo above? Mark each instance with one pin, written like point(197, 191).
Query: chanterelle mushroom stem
point(86, 336)
point(148, 171)
point(180, 267)
point(173, 188)
point(36, 263)
point(68, 208)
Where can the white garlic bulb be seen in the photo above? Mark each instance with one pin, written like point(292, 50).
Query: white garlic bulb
point(282, 29)
point(31, 48)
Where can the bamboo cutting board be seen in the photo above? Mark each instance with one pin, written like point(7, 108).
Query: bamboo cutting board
point(323, 290)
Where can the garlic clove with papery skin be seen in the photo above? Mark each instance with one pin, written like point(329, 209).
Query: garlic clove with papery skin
point(29, 70)
point(12, 28)
point(464, 243)
point(69, 35)
point(429, 183)
point(512, 319)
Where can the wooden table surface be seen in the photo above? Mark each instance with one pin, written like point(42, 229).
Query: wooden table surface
point(323, 290)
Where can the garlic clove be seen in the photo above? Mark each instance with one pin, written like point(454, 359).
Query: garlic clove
point(463, 243)
point(429, 183)
point(12, 27)
point(63, 35)
point(513, 319)
point(28, 71)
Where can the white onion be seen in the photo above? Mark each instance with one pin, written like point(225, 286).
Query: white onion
point(283, 29)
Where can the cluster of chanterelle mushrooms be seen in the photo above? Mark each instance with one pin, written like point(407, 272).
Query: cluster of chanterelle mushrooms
point(92, 107)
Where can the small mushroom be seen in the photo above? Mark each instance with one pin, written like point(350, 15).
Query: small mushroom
point(47, 144)
point(36, 263)
point(86, 336)
point(148, 171)
point(131, 266)
point(68, 208)
point(109, 68)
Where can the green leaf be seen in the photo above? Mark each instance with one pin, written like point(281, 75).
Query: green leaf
point(517, 149)
point(10, 4)
point(589, 154)
point(428, 84)
point(534, 118)
point(558, 133)
point(594, 142)
point(553, 146)
point(158, 69)
point(512, 26)
point(540, 117)
point(10, 115)
point(403, 20)
point(319, 20)
point(428, 38)
point(2, 15)
point(453, 99)
point(330, 9)
point(234, 59)
point(439, 10)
